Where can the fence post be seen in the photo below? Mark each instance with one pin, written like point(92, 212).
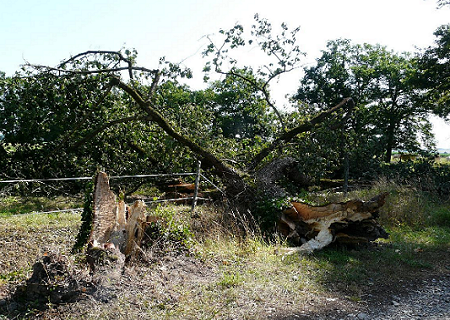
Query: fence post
point(197, 182)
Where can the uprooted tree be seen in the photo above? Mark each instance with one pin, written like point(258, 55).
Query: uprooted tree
point(100, 81)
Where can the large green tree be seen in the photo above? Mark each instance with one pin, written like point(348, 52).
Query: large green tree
point(380, 81)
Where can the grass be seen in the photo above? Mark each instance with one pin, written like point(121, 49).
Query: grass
point(406, 206)
point(25, 237)
point(225, 275)
point(11, 205)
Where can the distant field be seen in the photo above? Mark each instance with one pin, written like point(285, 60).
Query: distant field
point(442, 158)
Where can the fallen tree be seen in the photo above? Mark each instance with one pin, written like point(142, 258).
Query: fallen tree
point(241, 184)
point(112, 73)
point(119, 230)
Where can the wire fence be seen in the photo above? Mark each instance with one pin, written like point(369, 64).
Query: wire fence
point(198, 180)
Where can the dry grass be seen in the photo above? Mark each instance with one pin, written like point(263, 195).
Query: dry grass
point(23, 238)
point(406, 205)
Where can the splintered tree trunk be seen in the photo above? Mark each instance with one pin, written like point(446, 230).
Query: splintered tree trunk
point(134, 228)
point(116, 226)
point(314, 227)
point(109, 215)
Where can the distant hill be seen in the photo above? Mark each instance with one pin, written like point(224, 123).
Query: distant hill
point(443, 151)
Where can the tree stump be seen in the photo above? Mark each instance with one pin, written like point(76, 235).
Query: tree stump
point(117, 229)
point(314, 227)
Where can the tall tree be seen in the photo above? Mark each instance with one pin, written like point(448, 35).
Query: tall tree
point(381, 83)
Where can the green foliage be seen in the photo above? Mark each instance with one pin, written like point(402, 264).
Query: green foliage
point(267, 211)
point(239, 111)
point(168, 232)
point(387, 114)
point(280, 49)
point(53, 122)
point(440, 216)
point(423, 174)
point(433, 73)
point(87, 219)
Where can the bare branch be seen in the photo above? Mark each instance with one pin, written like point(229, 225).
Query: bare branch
point(91, 52)
point(155, 71)
point(155, 83)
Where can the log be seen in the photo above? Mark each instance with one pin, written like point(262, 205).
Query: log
point(315, 227)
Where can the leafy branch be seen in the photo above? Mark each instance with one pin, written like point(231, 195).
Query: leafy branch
point(282, 46)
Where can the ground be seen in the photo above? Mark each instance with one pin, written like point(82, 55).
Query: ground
point(245, 280)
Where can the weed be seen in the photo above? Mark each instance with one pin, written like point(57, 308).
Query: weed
point(169, 231)
point(439, 215)
point(14, 276)
point(230, 279)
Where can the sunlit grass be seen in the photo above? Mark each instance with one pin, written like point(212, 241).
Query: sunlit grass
point(11, 205)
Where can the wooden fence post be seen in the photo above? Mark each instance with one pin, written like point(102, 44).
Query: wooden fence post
point(197, 182)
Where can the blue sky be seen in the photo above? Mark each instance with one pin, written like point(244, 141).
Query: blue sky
point(46, 32)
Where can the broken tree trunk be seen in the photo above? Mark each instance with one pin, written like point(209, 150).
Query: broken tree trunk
point(116, 227)
point(314, 227)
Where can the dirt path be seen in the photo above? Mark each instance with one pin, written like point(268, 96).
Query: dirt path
point(427, 298)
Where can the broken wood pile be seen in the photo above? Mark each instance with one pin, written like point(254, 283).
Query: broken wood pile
point(350, 223)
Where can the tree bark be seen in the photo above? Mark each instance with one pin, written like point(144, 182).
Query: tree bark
point(116, 228)
point(390, 142)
